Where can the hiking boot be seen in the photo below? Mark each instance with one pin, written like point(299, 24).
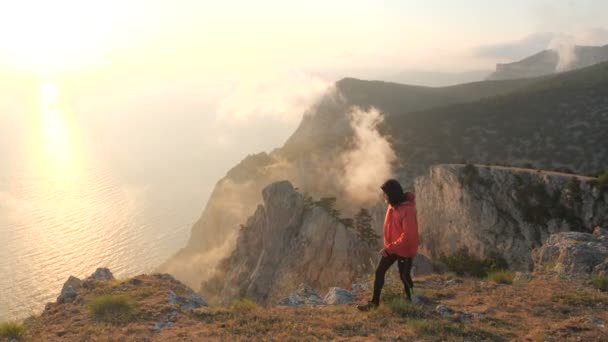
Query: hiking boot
point(366, 307)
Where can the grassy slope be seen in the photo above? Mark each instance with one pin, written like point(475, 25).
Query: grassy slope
point(544, 309)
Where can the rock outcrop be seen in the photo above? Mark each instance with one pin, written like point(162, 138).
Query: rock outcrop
point(71, 288)
point(504, 211)
point(337, 295)
point(285, 243)
point(572, 254)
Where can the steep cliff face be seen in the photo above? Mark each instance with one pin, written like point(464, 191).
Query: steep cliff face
point(287, 242)
point(503, 210)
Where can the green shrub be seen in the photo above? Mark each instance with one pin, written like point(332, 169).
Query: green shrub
point(12, 330)
point(113, 309)
point(600, 282)
point(501, 276)
point(462, 263)
point(243, 305)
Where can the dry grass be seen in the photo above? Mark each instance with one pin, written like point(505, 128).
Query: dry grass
point(550, 310)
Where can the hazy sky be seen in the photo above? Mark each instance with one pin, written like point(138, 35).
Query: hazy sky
point(228, 39)
point(224, 62)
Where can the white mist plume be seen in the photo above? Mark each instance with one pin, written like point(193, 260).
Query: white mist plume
point(565, 46)
point(370, 161)
point(285, 96)
point(195, 268)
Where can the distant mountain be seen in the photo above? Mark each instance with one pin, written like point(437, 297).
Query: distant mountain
point(548, 62)
point(437, 79)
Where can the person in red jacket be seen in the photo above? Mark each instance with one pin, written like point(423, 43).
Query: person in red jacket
point(400, 239)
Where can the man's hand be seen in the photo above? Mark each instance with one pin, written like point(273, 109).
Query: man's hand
point(383, 252)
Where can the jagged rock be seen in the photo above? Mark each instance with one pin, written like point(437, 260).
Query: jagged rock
point(465, 317)
point(598, 322)
point(571, 253)
point(599, 232)
point(522, 276)
point(285, 243)
point(502, 211)
point(292, 300)
point(189, 301)
point(101, 273)
point(443, 310)
point(304, 295)
point(601, 269)
point(69, 291)
point(337, 295)
point(359, 288)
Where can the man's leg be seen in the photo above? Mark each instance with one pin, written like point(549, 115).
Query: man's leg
point(385, 263)
point(405, 269)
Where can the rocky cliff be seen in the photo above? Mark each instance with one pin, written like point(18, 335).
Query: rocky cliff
point(503, 210)
point(286, 242)
point(484, 122)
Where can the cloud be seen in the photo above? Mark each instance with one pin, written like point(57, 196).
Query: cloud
point(371, 159)
point(284, 97)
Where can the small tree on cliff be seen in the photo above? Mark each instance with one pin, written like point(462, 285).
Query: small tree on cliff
point(363, 226)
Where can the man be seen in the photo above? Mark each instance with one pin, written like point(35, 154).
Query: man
point(400, 240)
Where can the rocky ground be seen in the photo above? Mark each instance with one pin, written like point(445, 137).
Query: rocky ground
point(535, 307)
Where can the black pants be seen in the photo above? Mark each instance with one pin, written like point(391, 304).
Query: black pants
point(405, 267)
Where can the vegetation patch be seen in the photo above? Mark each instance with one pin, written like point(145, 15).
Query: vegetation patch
point(501, 276)
point(600, 282)
point(585, 298)
point(211, 316)
point(115, 309)
point(351, 329)
point(397, 304)
point(465, 264)
point(12, 330)
point(435, 328)
point(243, 305)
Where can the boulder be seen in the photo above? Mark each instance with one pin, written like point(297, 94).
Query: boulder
point(188, 301)
point(601, 269)
point(69, 291)
point(571, 253)
point(599, 232)
point(101, 273)
point(304, 295)
point(337, 295)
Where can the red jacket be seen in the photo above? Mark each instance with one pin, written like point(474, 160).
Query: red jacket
point(401, 228)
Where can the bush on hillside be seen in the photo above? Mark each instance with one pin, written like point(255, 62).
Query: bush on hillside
point(12, 330)
point(113, 309)
point(462, 263)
